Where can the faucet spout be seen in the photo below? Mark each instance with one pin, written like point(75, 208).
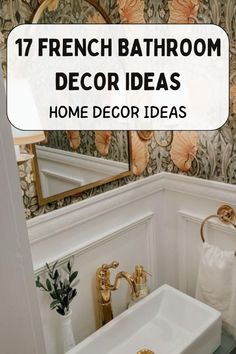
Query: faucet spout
point(131, 281)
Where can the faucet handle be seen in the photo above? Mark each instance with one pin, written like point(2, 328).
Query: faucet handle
point(140, 275)
point(103, 274)
point(112, 265)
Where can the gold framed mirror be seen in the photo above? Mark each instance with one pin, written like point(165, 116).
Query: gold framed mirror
point(68, 163)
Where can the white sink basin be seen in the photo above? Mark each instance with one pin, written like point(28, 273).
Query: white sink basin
point(166, 322)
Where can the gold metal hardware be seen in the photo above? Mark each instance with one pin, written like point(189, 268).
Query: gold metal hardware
point(145, 351)
point(140, 275)
point(44, 200)
point(104, 289)
point(226, 214)
point(145, 134)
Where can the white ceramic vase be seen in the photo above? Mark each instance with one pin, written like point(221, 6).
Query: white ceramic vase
point(67, 332)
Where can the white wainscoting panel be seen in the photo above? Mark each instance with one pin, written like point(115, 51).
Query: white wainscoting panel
point(119, 225)
point(130, 244)
point(154, 221)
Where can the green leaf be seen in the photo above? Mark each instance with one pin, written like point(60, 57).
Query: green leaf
point(72, 294)
point(60, 311)
point(56, 275)
point(49, 286)
point(53, 304)
point(54, 266)
point(73, 276)
point(59, 287)
point(48, 268)
point(59, 291)
point(39, 284)
point(37, 281)
point(69, 266)
point(53, 295)
point(50, 273)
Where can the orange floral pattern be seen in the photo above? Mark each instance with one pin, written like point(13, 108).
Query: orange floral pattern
point(184, 149)
point(216, 155)
point(103, 141)
point(74, 138)
point(140, 154)
point(183, 11)
point(131, 11)
point(95, 18)
point(53, 5)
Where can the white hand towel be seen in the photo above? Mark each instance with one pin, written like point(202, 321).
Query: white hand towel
point(216, 284)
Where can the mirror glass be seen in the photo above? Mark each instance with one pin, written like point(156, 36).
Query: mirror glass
point(69, 162)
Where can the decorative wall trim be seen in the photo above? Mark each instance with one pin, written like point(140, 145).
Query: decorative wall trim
point(206, 189)
point(212, 224)
point(49, 224)
point(151, 252)
point(154, 221)
point(60, 171)
point(48, 228)
point(62, 177)
point(130, 241)
point(97, 241)
point(63, 219)
point(72, 159)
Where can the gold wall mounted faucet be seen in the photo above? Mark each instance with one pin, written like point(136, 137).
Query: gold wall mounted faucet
point(104, 289)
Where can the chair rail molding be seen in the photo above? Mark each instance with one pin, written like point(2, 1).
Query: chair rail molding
point(49, 227)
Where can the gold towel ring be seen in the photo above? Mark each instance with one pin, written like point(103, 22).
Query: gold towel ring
point(225, 214)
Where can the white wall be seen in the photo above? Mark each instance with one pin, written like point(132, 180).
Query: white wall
point(20, 325)
point(154, 221)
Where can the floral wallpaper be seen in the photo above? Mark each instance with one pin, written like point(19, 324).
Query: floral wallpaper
point(208, 155)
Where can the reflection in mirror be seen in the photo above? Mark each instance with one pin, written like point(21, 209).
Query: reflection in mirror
point(69, 162)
